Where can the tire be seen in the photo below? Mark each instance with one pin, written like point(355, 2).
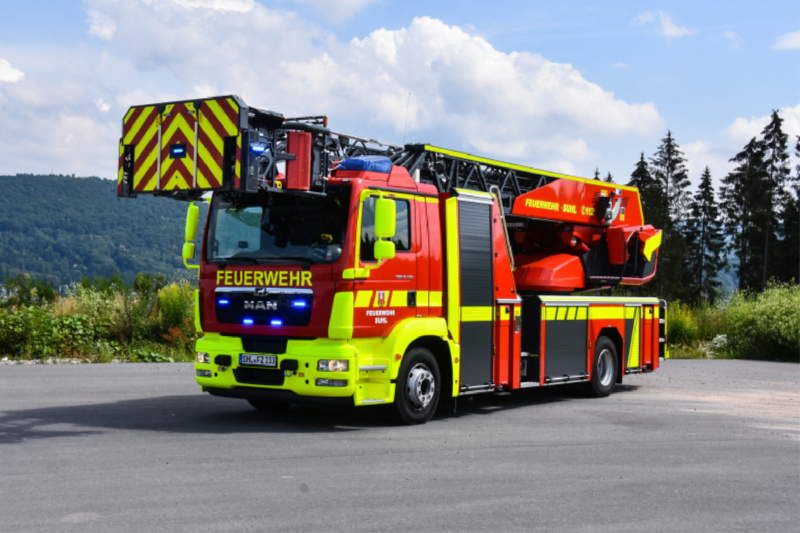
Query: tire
point(269, 407)
point(417, 388)
point(604, 368)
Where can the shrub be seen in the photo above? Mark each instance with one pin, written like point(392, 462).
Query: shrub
point(765, 325)
point(681, 326)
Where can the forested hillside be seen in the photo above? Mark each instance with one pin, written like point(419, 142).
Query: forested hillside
point(62, 229)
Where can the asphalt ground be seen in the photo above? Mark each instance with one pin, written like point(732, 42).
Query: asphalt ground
point(697, 446)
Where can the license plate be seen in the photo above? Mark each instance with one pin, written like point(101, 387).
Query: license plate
point(258, 360)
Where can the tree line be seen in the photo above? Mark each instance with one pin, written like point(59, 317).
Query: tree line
point(751, 225)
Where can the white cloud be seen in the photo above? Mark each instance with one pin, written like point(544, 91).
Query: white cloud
point(734, 38)
point(790, 41)
point(669, 29)
point(643, 18)
point(744, 129)
point(100, 25)
point(8, 73)
point(241, 6)
point(465, 93)
point(620, 65)
point(337, 10)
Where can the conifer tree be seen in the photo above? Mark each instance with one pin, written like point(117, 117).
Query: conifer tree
point(788, 263)
point(609, 178)
point(743, 193)
point(705, 240)
point(777, 198)
point(669, 170)
point(597, 174)
point(650, 193)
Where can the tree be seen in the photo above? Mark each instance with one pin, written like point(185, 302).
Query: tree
point(787, 266)
point(609, 178)
point(705, 240)
point(669, 171)
point(777, 198)
point(597, 174)
point(650, 193)
point(743, 200)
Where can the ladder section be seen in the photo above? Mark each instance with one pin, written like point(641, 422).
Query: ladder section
point(448, 170)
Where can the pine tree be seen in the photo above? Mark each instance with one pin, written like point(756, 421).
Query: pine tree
point(669, 168)
point(777, 198)
point(652, 197)
point(669, 171)
point(743, 193)
point(705, 240)
point(788, 256)
point(597, 174)
point(609, 178)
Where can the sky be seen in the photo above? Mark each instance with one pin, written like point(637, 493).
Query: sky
point(566, 86)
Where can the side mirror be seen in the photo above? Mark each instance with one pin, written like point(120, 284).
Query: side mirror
point(188, 251)
point(385, 218)
point(384, 250)
point(191, 223)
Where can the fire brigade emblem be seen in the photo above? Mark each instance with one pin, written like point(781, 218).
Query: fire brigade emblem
point(381, 298)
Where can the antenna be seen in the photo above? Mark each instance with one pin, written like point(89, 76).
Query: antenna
point(406, 126)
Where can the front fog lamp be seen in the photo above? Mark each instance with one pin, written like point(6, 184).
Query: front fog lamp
point(204, 373)
point(332, 365)
point(203, 357)
point(331, 383)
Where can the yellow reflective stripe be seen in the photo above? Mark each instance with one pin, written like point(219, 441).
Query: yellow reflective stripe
point(562, 313)
point(606, 313)
point(550, 313)
point(476, 193)
point(422, 298)
point(505, 313)
point(630, 312)
point(651, 246)
point(476, 314)
point(432, 200)
point(494, 162)
point(571, 313)
point(399, 299)
point(453, 278)
point(121, 153)
point(435, 299)
point(633, 356)
point(581, 314)
point(363, 298)
point(221, 116)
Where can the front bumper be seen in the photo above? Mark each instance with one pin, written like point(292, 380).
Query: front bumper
point(363, 387)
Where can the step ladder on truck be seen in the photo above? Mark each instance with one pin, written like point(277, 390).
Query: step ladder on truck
point(338, 269)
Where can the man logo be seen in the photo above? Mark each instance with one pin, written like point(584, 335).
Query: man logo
point(261, 306)
point(381, 298)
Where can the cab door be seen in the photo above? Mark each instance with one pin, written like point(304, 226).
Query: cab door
point(386, 294)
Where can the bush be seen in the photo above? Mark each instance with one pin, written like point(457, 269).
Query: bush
point(765, 325)
point(101, 319)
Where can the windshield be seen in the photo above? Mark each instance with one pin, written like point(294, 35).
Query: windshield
point(277, 227)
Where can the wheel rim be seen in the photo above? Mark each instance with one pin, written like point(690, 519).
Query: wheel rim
point(421, 386)
point(605, 368)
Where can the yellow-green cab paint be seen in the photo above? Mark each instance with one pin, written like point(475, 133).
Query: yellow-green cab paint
point(198, 326)
point(372, 362)
point(340, 325)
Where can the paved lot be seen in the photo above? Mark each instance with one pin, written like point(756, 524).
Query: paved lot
point(697, 446)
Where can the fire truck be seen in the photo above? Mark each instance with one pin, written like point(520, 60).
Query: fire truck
point(339, 269)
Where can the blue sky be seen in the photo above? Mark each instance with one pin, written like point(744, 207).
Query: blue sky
point(566, 85)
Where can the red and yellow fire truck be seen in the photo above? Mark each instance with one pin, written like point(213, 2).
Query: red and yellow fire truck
point(336, 268)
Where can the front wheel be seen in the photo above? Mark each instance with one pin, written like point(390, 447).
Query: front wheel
point(418, 387)
point(604, 371)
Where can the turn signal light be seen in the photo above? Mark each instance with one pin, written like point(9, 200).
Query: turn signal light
point(331, 383)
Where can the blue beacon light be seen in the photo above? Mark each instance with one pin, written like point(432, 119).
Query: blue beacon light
point(299, 303)
point(276, 322)
point(223, 302)
point(248, 322)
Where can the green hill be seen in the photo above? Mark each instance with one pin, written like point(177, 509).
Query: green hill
point(62, 229)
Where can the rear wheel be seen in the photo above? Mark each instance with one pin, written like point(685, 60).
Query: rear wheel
point(418, 387)
point(269, 407)
point(604, 371)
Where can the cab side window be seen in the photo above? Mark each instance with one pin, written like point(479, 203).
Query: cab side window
point(402, 236)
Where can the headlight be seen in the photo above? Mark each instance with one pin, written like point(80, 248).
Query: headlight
point(203, 357)
point(332, 365)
